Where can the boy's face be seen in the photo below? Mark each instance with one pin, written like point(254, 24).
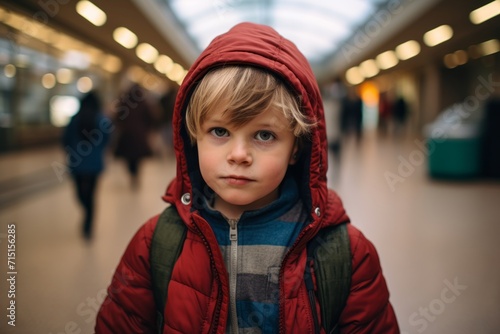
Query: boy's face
point(245, 165)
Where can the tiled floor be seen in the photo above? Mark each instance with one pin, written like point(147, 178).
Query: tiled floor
point(437, 240)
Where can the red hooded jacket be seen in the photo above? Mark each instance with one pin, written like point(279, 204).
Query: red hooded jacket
point(198, 293)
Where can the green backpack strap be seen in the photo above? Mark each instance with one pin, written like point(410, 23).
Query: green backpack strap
point(166, 246)
point(331, 253)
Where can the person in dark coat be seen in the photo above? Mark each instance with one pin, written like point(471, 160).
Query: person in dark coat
point(400, 114)
point(134, 120)
point(167, 103)
point(85, 139)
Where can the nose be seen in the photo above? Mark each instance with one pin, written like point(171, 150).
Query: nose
point(239, 153)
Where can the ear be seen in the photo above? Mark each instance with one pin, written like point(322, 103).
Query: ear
point(295, 154)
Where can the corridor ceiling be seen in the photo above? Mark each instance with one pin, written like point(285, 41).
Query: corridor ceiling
point(334, 35)
point(317, 27)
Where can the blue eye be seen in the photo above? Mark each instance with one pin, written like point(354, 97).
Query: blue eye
point(264, 136)
point(219, 132)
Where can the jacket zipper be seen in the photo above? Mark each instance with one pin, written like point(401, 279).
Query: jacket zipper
point(215, 324)
point(233, 273)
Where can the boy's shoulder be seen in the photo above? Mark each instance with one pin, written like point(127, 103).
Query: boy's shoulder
point(141, 241)
point(365, 258)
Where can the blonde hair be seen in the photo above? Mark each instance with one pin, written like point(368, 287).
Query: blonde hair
point(243, 93)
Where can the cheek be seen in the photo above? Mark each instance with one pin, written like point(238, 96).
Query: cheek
point(206, 161)
point(209, 160)
point(277, 166)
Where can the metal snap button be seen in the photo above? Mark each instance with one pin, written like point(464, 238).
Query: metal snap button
point(186, 198)
point(317, 211)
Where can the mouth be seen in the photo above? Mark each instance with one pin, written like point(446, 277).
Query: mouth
point(237, 179)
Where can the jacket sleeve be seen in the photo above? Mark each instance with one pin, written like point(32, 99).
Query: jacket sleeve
point(368, 309)
point(129, 306)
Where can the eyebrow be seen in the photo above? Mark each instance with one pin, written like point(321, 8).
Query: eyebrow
point(274, 125)
point(215, 120)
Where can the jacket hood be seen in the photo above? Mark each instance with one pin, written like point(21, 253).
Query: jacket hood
point(260, 46)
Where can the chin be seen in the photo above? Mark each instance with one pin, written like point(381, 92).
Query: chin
point(238, 201)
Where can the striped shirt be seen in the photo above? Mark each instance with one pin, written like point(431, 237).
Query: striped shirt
point(263, 238)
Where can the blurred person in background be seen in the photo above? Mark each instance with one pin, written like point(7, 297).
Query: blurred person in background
point(332, 94)
point(400, 115)
point(384, 112)
point(85, 140)
point(134, 121)
point(352, 114)
point(167, 102)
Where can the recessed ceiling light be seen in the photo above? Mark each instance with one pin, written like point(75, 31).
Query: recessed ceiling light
point(408, 50)
point(485, 12)
point(146, 52)
point(176, 72)
point(354, 76)
point(490, 47)
point(369, 68)
point(125, 37)
point(438, 35)
point(91, 12)
point(387, 60)
point(164, 64)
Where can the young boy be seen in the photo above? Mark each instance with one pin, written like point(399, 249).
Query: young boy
point(251, 151)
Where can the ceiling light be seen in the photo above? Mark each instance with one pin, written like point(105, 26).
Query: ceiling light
point(125, 37)
point(48, 80)
point(9, 71)
point(176, 72)
point(457, 58)
point(76, 59)
point(151, 82)
point(91, 12)
point(135, 73)
point(461, 57)
point(489, 47)
point(15, 21)
point(386, 60)
point(450, 61)
point(22, 60)
point(164, 64)
point(62, 108)
point(408, 50)
point(3, 14)
point(112, 64)
point(146, 52)
point(438, 35)
point(84, 84)
point(354, 76)
point(485, 13)
point(64, 75)
point(369, 68)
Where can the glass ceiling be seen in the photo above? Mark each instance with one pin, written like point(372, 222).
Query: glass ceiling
point(318, 27)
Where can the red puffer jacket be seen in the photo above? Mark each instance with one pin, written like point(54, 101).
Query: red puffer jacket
point(198, 293)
